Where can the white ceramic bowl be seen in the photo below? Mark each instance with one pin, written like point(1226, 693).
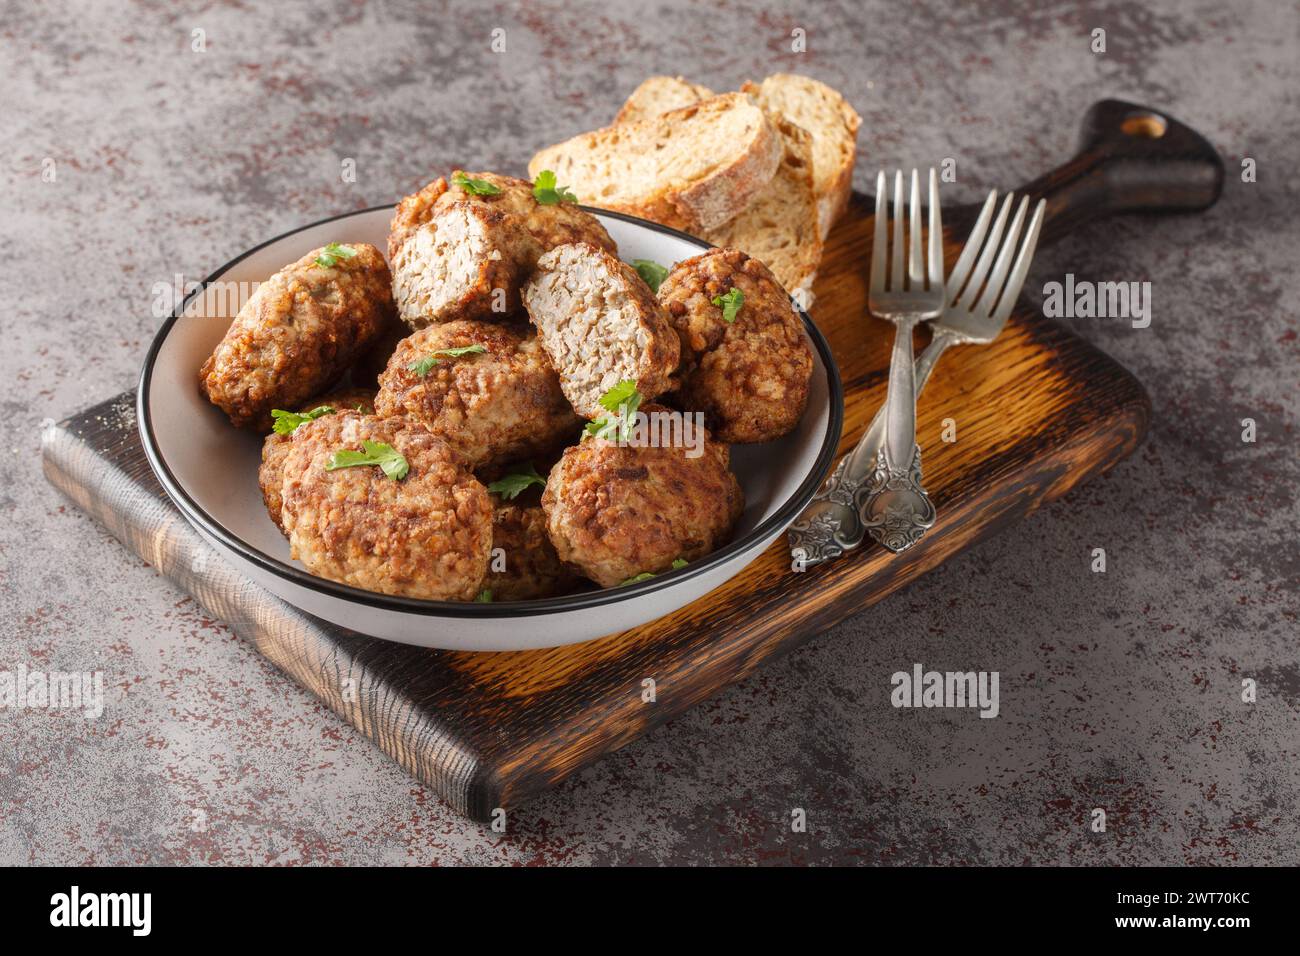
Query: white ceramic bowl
point(210, 471)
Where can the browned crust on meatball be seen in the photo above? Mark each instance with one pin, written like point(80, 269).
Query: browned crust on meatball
point(547, 225)
point(532, 569)
point(297, 334)
point(615, 511)
point(428, 535)
point(464, 263)
point(750, 377)
point(498, 406)
point(600, 324)
point(275, 447)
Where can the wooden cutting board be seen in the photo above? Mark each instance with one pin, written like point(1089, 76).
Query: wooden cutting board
point(1036, 413)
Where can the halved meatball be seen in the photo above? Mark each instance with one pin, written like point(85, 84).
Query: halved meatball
point(749, 376)
point(464, 263)
point(275, 447)
point(616, 510)
point(547, 225)
point(299, 332)
point(497, 404)
point(600, 324)
point(524, 565)
point(427, 534)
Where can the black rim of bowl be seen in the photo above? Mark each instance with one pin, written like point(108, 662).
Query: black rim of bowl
point(504, 609)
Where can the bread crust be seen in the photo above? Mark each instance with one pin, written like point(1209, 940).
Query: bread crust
point(834, 125)
point(656, 170)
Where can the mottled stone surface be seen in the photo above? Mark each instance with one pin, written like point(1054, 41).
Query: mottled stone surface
point(1119, 690)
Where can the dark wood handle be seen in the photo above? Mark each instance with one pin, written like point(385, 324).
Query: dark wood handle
point(1131, 159)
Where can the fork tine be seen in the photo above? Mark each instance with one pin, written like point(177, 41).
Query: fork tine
point(986, 257)
point(880, 246)
point(935, 267)
point(962, 267)
point(896, 262)
point(915, 264)
point(1021, 269)
point(1003, 264)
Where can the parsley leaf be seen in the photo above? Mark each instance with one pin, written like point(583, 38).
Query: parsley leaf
point(624, 393)
point(287, 422)
point(731, 303)
point(476, 187)
point(425, 365)
point(376, 453)
point(623, 400)
point(652, 272)
point(331, 254)
point(484, 596)
point(547, 193)
point(678, 564)
point(513, 485)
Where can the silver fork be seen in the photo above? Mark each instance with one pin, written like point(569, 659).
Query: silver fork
point(830, 525)
point(896, 511)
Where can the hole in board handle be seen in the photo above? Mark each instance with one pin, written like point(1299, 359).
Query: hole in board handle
point(1144, 125)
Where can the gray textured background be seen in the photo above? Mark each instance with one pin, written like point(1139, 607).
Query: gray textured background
point(1119, 690)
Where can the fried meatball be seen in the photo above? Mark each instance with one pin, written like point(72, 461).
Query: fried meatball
point(750, 376)
point(600, 324)
point(298, 333)
point(460, 255)
point(618, 510)
point(275, 447)
point(495, 406)
point(529, 567)
point(464, 263)
point(425, 535)
point(547, 226)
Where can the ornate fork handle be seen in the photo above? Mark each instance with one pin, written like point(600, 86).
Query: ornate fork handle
point(832, 524)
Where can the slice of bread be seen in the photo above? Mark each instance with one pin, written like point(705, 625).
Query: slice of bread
point(781, 227)
point(834, 127)
point(692, 168)
point(659, 94)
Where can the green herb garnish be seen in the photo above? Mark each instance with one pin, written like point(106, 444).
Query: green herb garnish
point(678, 564)
point(376, 453)
point(652, 272)
point(513, 484)
point(425, 365)
point(331, 254)
point(623, 400)
point(484, 596)
point(547, 193)
point(731, 303)
point(287, 422)
point(477, 187)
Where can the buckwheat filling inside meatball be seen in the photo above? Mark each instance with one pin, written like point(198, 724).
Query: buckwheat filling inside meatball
point(461, 264)
point(600, 324)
